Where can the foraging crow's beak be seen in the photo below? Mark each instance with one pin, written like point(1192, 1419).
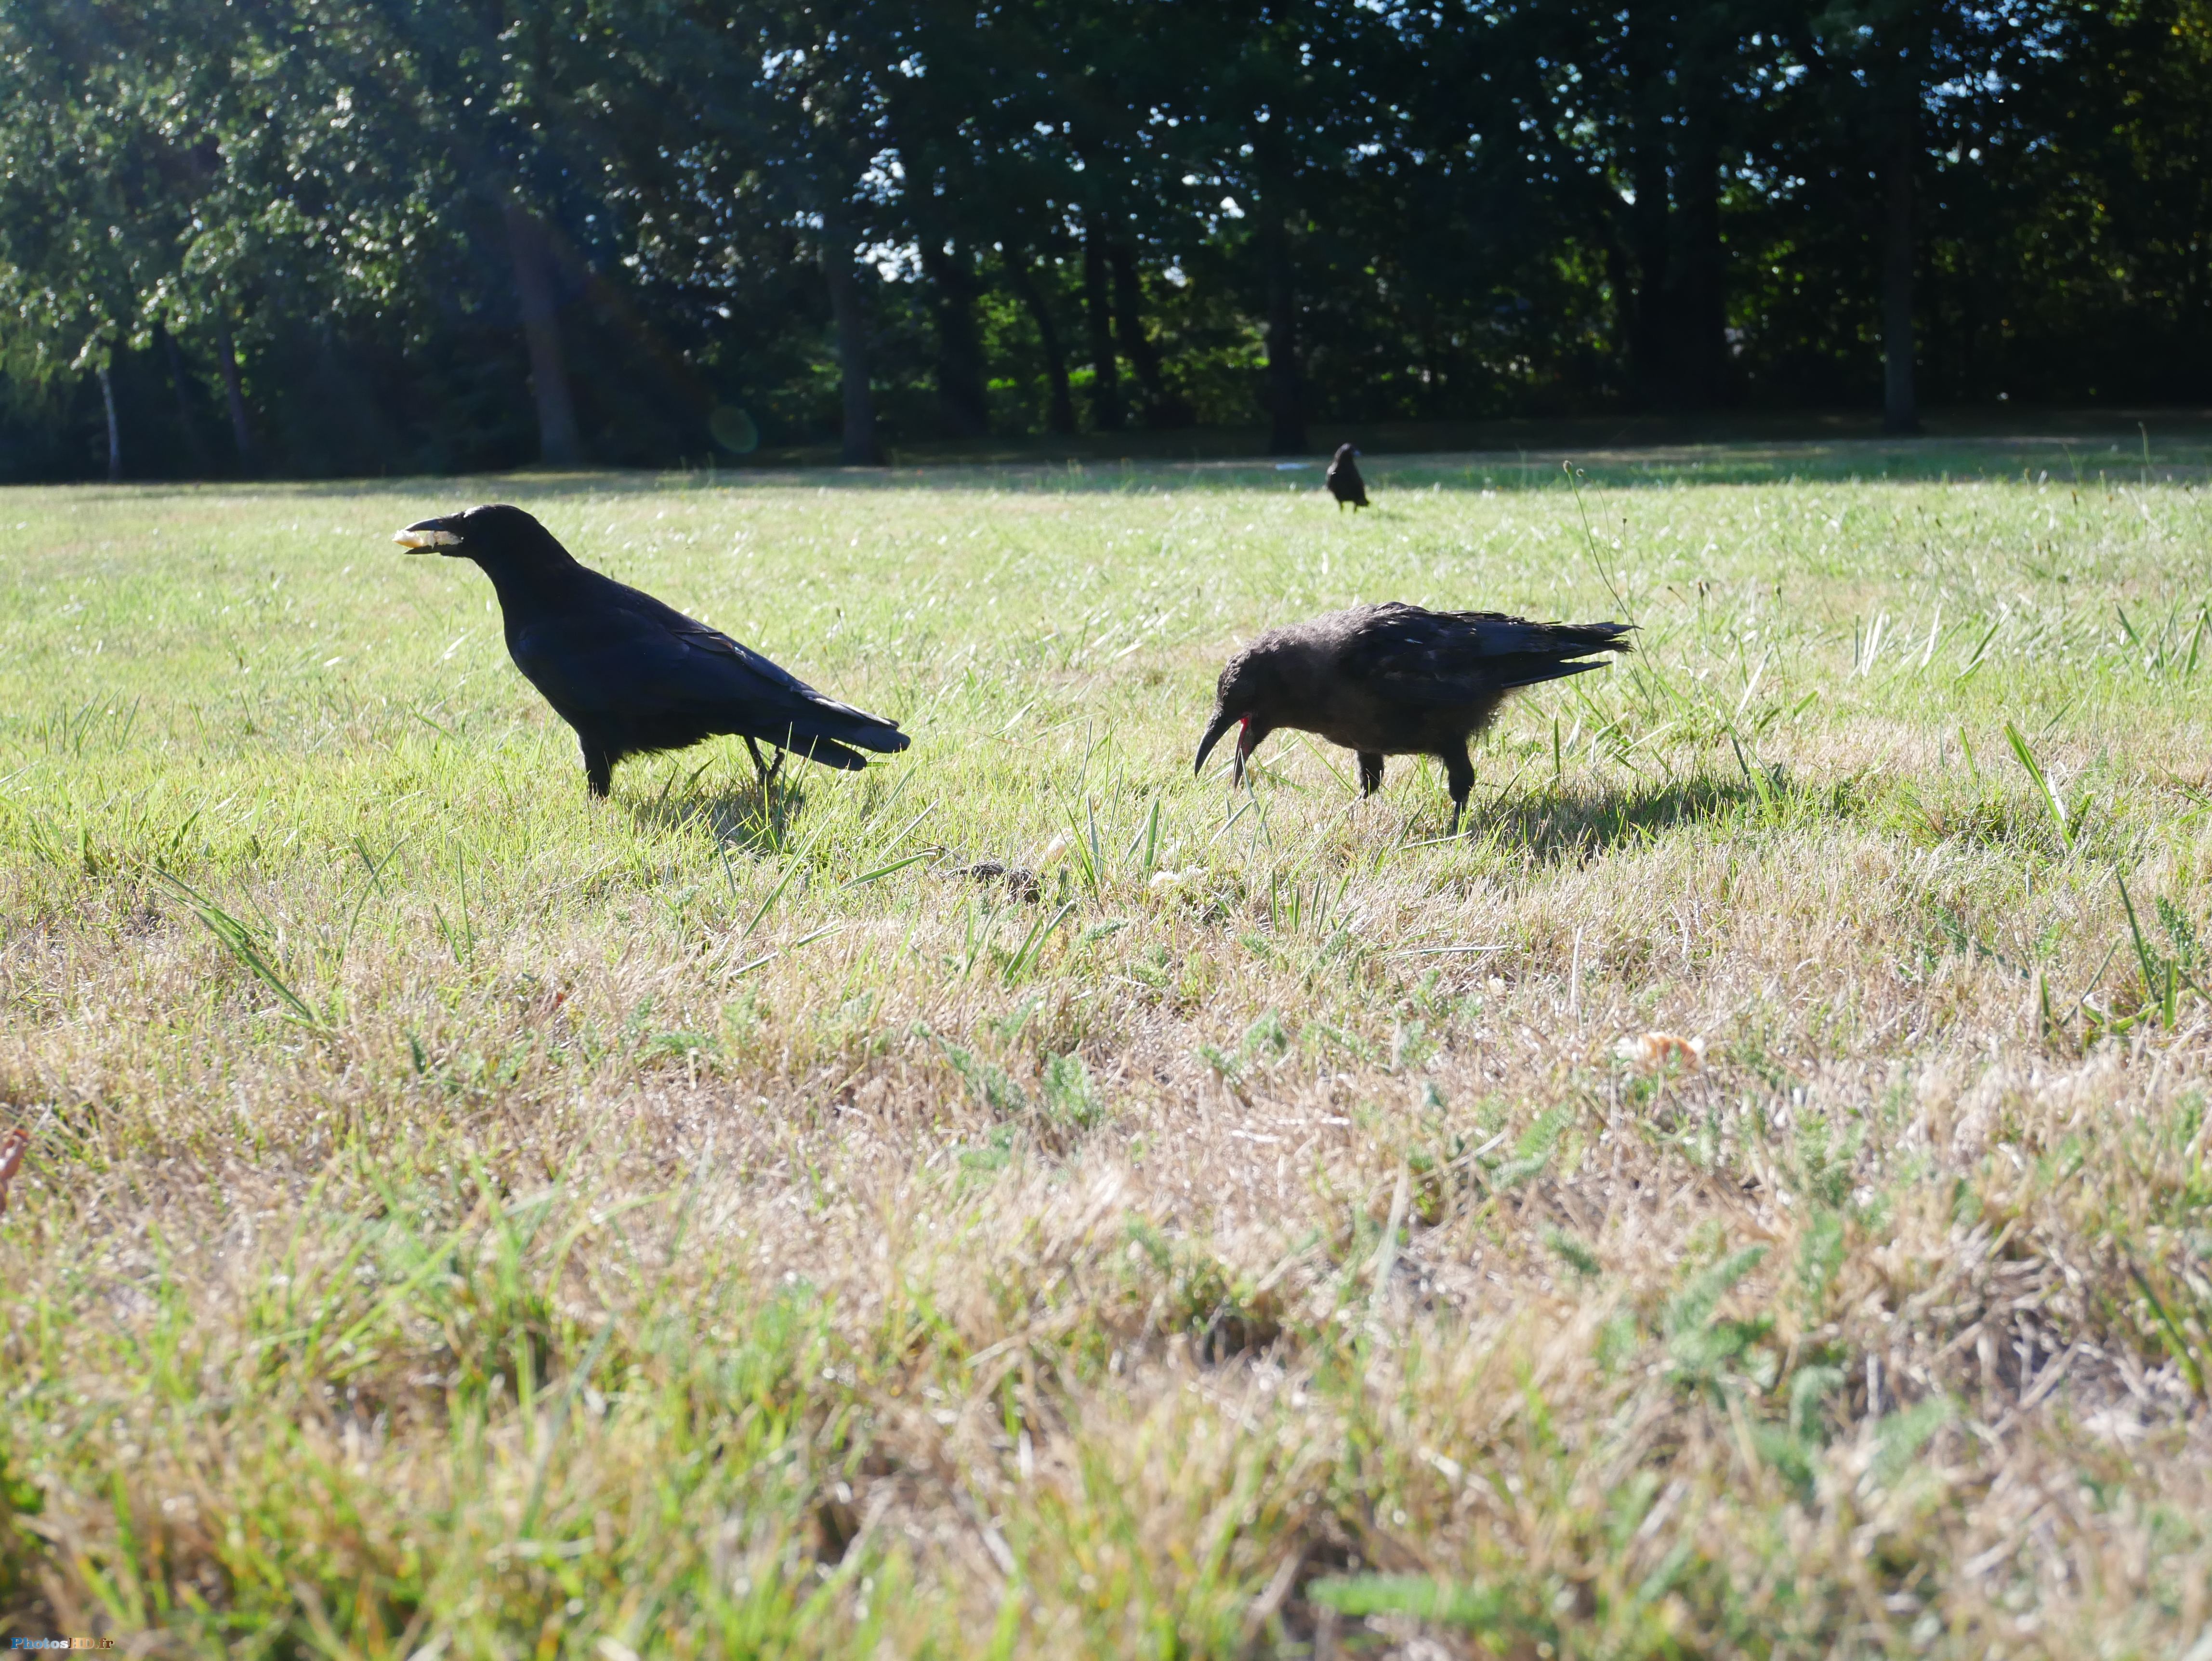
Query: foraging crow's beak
point(1221, 722)
point(430, 536)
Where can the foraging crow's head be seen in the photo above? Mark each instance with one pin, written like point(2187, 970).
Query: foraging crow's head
point(494, 536)
point(1344, 450)
point(1250, 689)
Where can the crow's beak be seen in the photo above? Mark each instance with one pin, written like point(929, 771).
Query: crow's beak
point(430, 536)
point(1221, 722)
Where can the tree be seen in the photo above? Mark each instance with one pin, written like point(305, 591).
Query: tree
point(90, 229)
point(396, 235)
point(782, 115)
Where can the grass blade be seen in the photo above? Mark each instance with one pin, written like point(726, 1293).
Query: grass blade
point(1035, 943)
point(2184, 1352)
point(2146, 960)
point(867, 878)
point(2051, 798)
point(239, 941)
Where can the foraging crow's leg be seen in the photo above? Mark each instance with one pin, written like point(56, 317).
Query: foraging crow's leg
point(1459, 775)
point(767, 773)
point(1370, 772)
point(598, 770)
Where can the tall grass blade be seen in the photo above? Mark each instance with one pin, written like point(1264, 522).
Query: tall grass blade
point(239, 941)
point(2184, 1352)
point(865, 878)
point(2051, 798)
point(1038, 934)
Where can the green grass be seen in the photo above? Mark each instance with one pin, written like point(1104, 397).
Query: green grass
point(463, 1219)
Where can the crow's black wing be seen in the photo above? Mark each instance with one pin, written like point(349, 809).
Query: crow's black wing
point(1445, 657)
point(633, 662)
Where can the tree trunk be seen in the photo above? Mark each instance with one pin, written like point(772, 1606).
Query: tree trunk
point(848, 312)
point(1286, 420)
point(233, 395)
point(559, 442)
point(1621, 277)
point(1098, 313)
point(1651, 357)
point(961, 389)
point(1060, 410)
point(114, 427)
point(180, 381)
point(1699, 323)
point(1162, 408)
point(1900, 408)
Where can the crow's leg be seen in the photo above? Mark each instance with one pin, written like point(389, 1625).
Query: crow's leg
point(598, 770)
point(767, 772)
point(1370, 772)
point(1459, 775)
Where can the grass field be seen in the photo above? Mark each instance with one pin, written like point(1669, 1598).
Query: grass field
point(460, 1219)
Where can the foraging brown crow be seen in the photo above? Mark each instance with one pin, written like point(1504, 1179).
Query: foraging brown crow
point(632, 675)
point(1396, 680)
point(1345, 483)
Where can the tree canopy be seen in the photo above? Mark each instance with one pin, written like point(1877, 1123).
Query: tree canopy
point(348, 236)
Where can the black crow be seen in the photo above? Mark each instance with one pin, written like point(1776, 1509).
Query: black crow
point(1345, 483)
point(632, 675)
point(1396, 680)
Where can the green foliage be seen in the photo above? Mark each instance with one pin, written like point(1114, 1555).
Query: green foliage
point(1070, 1094)
point(1465, 1608)
point(1900, 1436)
point(1266, 1043)
point(1574, 1253)
point(1707, 1349)
point(1532, 1153)
point(987, 1082)
point(329, 212)
point(1820, 1254)
point(20, 1548)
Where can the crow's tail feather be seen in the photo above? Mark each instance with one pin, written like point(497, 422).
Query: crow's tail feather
point(830, 753)
point(1573, 639)
point(824, 728)
point(841, 721)
point(1567, 641)
point(1535, 675)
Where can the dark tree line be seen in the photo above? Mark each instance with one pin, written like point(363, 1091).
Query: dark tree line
point(320, 236)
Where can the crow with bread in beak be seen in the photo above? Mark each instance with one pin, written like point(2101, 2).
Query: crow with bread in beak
point(1396, 680)
point(631, 675)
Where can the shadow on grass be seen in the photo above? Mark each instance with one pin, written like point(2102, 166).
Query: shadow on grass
point(742, 818)
point(1558, 829)
point(2079, 447)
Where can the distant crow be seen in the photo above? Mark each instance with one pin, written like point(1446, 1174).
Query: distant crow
point(1396, 680)
point(631, 675)
point(1345, 483)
